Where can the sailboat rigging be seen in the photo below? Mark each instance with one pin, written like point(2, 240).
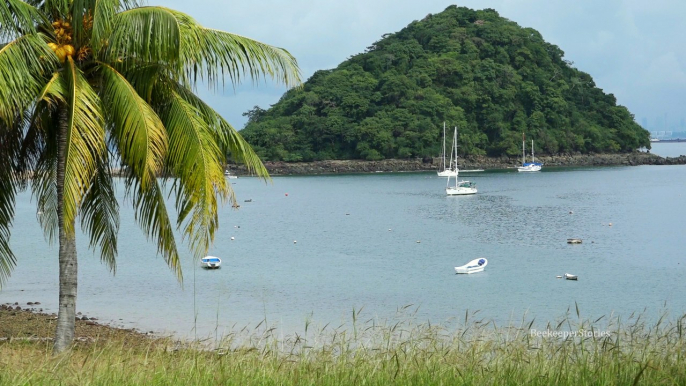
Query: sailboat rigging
point(461, 187)
point(448, 170)
point(532, 166)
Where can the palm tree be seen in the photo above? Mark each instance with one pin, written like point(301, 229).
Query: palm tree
point(85, 82)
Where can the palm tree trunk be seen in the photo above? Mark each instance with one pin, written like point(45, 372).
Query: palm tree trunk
point(66, 316)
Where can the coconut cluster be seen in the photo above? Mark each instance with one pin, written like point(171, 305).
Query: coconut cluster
point(63, 36)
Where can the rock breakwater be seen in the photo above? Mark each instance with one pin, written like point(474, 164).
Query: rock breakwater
point(469, 162)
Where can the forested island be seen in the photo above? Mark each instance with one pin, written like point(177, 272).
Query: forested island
point(473, 70)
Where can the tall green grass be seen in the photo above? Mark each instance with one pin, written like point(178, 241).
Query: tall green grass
point(633, 351)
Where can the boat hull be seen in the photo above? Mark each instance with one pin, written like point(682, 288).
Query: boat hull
point(529, 168)
point(460, 191)
point(448, 173)
point(461, 188)
point(474, 266)
point(210, 262)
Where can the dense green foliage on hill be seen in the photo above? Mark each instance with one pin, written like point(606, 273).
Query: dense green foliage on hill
point(475, 70)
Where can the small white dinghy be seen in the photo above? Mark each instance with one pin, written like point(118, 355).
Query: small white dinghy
point(569, 276)
point(476, 265)
point(210, 262)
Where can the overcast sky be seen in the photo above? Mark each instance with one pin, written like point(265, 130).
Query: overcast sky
point(633, 49)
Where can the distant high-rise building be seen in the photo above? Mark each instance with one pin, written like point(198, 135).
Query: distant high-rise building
point(659, 123)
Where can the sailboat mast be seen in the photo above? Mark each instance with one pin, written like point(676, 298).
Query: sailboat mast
point(523, 150)
point(454, 151)
point(454, 148)
point(532, 151)
point(443, 165)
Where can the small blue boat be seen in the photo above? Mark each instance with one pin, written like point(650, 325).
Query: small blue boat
point(210, 262)
point(476, 265)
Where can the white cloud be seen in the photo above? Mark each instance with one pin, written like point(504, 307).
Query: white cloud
point(632, 48)
point(664, 71)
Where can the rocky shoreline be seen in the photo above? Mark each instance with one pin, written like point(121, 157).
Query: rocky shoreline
point(28, 322)
point(469, 162)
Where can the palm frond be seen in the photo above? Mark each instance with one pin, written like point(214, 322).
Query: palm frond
point(44, 189)
point(54, 91)
point(240, 150)
point(29, 151)
point(56, 8)
point(78, 9)
point(146, 34)
point(102, 12)
point(7, 195)
point(130, 4)
point(103, 15)
point(212, 54)
point(39, 154)
point(137, 131)
point(100, 215)
point(230, 141)
point(162, 35)
point(17, 18)
point(151, 213)
point(10, 143)
point(24, 66)
point(141, 139)
point(85, 140)
point(143, 78)
point(197, 161)
point(38, 165)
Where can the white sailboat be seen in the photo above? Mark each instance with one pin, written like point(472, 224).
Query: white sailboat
point(532, 166)
point(447, 170)
point(461, 187)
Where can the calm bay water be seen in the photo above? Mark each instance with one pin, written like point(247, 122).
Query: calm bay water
point(357, 246)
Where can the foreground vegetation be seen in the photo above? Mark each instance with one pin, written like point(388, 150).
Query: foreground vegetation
point(635, 352)
point(472, 69)
point(88, 84)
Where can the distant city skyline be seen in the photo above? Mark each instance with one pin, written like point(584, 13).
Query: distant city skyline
point(663, 123)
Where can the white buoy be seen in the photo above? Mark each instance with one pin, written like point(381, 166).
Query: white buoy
point(418, 241)
point(232, 238)
point(610, 224)
point(559, 277)
point(295, 242)
point(389, 229)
